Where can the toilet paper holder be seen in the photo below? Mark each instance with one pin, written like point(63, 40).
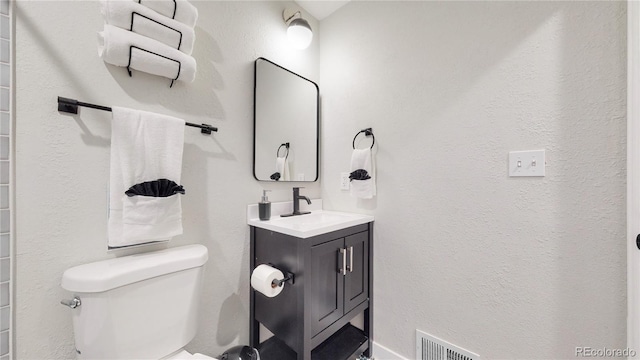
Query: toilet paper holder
point(288, 277)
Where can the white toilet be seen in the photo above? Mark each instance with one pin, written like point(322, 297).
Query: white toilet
point(142, 306)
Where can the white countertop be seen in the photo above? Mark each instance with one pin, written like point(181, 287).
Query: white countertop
point(305, 226)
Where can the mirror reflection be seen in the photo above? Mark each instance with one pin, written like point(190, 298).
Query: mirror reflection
point(285, 125)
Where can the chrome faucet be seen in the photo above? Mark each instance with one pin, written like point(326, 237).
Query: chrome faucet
point(296, 203)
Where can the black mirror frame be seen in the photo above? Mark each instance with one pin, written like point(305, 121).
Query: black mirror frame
point(255, 77)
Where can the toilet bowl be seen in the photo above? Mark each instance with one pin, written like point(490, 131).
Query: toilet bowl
point(142, 306)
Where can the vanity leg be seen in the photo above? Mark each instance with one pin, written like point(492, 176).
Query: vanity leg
point(304, 354)
point(368, 313)
point(254, 326)
point(368, 322)
point(304, 349)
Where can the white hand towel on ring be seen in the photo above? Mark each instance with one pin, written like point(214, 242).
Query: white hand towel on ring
point(362, 159)
point(282, 166)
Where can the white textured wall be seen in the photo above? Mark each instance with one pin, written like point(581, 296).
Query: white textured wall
point(506, 267)
point(62, 162)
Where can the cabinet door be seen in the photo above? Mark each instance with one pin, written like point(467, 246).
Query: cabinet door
point(356, 282)
point(327, 284)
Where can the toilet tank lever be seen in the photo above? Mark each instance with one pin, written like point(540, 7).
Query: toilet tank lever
point(73, 303)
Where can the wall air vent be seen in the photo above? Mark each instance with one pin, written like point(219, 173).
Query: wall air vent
point(429, 347)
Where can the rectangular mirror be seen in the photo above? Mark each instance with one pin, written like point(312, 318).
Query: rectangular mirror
point(285, 133)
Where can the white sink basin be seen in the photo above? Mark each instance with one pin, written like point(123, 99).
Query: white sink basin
point(316, 223)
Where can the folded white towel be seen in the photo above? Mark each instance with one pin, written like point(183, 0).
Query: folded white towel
point(149, 23)
point(144, 147)
point(282, 166)
point(182, 9)
point(362, 159)
point(114, 47)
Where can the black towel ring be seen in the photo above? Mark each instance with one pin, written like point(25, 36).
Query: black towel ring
point(367, 132)
point(286, 147)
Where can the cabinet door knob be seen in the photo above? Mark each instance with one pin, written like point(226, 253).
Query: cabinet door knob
point(350, 267)
point(343, 265)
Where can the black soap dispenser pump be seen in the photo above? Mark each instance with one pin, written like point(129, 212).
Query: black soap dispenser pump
point(264, 207)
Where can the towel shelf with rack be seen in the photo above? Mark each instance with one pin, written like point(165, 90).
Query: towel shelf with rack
point(151, 52)
point(71, 106)
point(157, 22)
point(156, 54)
point(175, 8)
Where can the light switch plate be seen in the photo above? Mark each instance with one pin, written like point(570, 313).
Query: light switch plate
point(344, 181)
point(527, 163)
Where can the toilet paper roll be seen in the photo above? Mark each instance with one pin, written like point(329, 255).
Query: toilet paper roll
point(262, 279)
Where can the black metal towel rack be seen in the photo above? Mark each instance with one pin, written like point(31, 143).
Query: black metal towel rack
point(156, 54)
point(151, 52)
point(175, 8)
point(367, 132)
point(134, 13)
point(71, 106)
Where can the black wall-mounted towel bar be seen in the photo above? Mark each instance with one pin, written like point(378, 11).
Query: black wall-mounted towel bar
point(71, 106)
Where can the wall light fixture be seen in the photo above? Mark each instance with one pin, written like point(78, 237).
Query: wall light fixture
point(298, 31)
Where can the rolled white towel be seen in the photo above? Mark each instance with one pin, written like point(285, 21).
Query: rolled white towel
point(114, 45)
point(124, 13)
point(182, 9)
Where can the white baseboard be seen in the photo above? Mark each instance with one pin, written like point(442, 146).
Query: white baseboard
point(382, 353)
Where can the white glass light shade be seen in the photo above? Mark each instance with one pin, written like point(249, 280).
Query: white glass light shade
point(299, 33)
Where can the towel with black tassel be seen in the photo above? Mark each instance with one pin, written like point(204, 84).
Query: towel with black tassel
point(362, 177)
point(146, 166)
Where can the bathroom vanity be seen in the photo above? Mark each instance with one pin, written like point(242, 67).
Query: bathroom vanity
point(329, 255)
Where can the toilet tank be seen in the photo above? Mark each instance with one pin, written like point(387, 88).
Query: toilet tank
point(142, 306)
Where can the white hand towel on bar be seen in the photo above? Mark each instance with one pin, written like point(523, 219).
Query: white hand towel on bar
point(282, 166)
point(144, 147)
point(146, 22)
point(114, 47)
point(362, 159)
point(182, 9)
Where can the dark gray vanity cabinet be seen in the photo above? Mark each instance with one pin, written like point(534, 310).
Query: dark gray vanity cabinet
point(310, 319)
point(336, 293)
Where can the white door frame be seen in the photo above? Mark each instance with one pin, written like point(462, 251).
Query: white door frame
point(633, 176)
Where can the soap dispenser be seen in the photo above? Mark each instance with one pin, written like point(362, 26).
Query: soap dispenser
point(264, 207)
